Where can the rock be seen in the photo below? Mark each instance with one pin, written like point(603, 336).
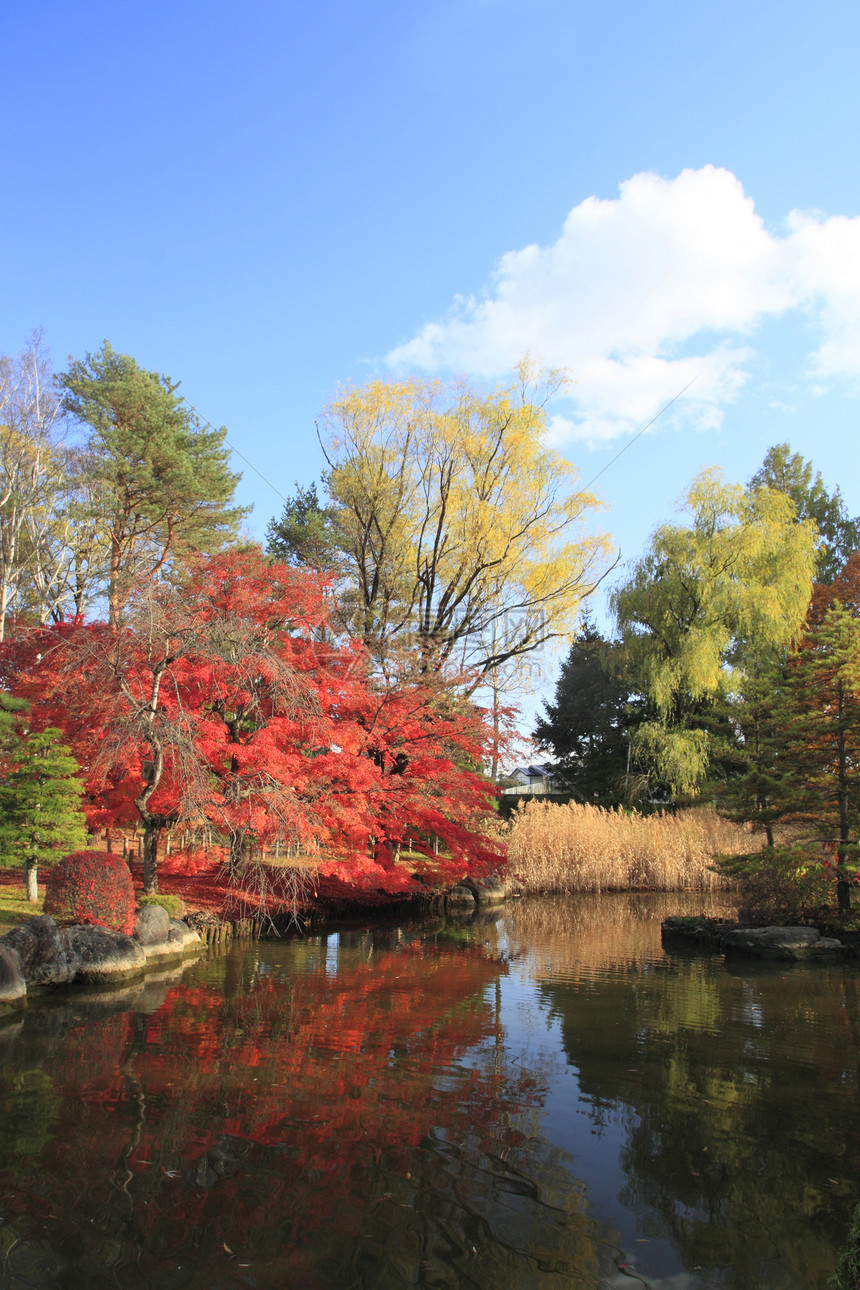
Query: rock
point(698, 932)
point(487, 891)
point(461, 895)
point(781, 943)
point(493, 890)
point(152, 925)
point(105, 955)
point(47, 954)
point(13, 987)
point(186, 937)
point(160, 935)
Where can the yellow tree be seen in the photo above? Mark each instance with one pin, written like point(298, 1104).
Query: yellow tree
point(459, 534)
point(703, 605)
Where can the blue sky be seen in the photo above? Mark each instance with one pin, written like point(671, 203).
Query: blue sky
point(264, 201)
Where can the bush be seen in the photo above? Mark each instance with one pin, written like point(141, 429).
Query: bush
point(92, 887)
point(174, 905)
point(781, 886)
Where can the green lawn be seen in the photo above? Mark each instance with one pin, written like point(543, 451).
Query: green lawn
point(14, 908)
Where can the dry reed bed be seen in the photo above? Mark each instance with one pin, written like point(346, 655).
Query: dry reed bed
point(555, 848)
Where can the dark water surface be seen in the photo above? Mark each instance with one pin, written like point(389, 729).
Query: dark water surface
point(543, 1099)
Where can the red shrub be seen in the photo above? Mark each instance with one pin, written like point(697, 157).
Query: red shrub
point(91, 887)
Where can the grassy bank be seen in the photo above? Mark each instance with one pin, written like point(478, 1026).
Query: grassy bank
point(14, 907)
point(555, 848)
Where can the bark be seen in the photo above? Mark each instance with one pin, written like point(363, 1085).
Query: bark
point(241, 853)
point(151, 835)
point(843, 888)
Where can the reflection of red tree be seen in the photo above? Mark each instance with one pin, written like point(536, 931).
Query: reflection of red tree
point(282, 1108)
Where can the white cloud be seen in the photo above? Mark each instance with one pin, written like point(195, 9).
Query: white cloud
point(642, 293)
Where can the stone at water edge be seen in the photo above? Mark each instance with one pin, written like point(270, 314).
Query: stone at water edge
point(183, 935)
point(152, 925)
point(493, 890)
point(699, 932)
point(47, 954)
point(781, 943)
point(487, 891)
point(461, 895)
point(13, 987)
point(105, 955)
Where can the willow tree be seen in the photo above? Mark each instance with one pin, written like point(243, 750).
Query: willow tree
point(457, 534)
point(703, 604)
point(152, 476)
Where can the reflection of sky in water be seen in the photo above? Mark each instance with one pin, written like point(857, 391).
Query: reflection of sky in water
point(710, 1110)
point(552, 1080)
point(590, 1136)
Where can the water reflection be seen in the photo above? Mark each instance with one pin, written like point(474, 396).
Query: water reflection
point(735, 1091)
point(316, 1114)
point(538, 1099)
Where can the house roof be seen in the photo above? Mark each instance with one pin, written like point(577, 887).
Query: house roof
point(539, 771)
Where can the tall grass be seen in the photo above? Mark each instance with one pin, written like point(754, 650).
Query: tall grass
point(555, 848)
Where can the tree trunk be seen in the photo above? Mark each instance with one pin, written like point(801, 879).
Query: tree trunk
point(241, 853)
point(31, 876)
point(150, 858)
point(843, 888)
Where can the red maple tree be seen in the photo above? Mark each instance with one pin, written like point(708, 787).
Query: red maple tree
point(226, 701)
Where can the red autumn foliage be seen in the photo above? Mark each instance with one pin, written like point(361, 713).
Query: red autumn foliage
point(91, 887)
point(271, 1111)
point(228, 702)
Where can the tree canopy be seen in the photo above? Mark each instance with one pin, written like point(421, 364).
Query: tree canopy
point(589, 724)
point(700, 603)
point(217, 701)
point(455, 533)
point(838, 533)
point(155, 479)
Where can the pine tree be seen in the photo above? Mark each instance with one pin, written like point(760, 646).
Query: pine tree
point(838, 532)
point(757, 783)
point(588, 726)
point(40, 803)
point(825, 735)
point(156, 479)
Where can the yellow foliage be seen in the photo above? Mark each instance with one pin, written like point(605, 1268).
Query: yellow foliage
point(461, 530)
point(706, 600)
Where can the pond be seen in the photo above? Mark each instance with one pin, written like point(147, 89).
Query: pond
point(540, 1098)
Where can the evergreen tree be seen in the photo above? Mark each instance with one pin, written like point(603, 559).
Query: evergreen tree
point(158, 479)
point(791, 474)
point(306, 533)
point(588, 725)
point(756, 785)
point(824, 729)
point(40, 802)
point(10, 714)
